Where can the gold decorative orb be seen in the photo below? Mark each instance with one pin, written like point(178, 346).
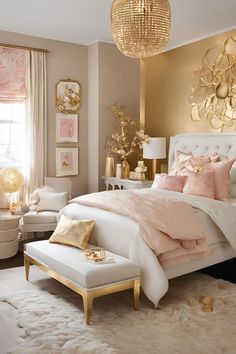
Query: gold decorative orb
point(11, 180)
point(140, 28)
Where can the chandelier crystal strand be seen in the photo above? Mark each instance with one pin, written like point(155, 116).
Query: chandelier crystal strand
point(140, 28)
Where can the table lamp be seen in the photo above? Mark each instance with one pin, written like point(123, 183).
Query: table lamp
point(155, 149)
point(11, 180)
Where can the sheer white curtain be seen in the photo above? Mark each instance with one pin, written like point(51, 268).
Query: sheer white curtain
point(36, 119)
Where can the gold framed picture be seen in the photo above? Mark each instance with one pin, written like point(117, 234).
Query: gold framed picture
point(66, 161)
point(66, 128)
point(68, 96)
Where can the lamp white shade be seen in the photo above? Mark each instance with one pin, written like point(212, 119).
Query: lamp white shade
point(155, 149)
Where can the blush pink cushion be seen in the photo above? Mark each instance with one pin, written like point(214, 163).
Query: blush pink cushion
point(180, 162)
point(201, 183)
point(169, 183)
point(185, 160)
point(221, 177)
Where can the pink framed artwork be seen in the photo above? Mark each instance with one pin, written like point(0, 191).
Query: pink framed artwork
point(66, 161)
point(66, 128)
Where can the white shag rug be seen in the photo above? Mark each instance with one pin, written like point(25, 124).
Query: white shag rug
point(51, 323)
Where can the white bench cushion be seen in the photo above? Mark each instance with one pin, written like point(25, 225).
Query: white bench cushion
point(69, 262)
point(34, 217)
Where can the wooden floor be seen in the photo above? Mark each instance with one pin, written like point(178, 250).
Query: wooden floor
point(225, 270)
point(12, 262)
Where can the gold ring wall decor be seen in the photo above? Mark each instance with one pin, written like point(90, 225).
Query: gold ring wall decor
point(68, 96)
point(140, 28)
point(213, 95)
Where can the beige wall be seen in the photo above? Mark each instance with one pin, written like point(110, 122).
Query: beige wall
point(168, 82)
point(65, 60)
point(106, 77)
point(117, 80)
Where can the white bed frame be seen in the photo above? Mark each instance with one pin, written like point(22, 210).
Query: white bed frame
point(199, 144)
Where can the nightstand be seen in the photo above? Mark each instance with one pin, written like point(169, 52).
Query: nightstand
point(9, 234)
point(122, 183)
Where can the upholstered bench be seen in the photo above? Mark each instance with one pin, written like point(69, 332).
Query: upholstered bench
point(68, 265)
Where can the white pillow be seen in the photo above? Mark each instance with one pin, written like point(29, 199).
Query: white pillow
point(34, 197)
point(52, 201)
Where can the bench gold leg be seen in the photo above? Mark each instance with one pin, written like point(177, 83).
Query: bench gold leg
point(27, 267)
point(88, 306)
point(136, 293)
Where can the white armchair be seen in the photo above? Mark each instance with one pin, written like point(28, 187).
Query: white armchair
point(41, 219)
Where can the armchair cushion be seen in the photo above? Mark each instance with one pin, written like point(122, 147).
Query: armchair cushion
point(32, 217)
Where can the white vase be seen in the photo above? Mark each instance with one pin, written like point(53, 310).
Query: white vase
point(119, 171)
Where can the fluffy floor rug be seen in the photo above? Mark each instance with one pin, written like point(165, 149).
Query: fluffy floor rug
point(54, 323)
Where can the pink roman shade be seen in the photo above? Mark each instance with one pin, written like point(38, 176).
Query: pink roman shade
point(12, 74)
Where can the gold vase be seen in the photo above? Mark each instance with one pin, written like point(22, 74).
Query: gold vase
point(110, 167)
point(125, 169)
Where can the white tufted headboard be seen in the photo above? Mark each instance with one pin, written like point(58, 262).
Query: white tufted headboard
point(206, 143)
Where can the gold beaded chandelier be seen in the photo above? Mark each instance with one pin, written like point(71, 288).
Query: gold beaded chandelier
point(140, 28)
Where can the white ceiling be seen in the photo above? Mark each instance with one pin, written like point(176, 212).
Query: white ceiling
point(88, 21)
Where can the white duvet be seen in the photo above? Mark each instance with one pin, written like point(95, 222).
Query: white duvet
point(121, 235)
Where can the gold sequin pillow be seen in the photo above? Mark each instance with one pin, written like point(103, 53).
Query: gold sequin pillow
point(72, 232)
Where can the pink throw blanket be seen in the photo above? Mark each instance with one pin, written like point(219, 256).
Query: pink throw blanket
point(170, 227)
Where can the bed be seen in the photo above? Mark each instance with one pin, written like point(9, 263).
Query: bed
point(121, 235)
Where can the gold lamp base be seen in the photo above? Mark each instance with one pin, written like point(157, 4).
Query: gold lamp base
point(154, 168)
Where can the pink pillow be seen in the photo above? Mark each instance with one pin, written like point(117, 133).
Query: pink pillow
point(169, 183)
point(185, 160)
point(180, 162)
point(186, 155)
point(221, 177)
point(201, 183)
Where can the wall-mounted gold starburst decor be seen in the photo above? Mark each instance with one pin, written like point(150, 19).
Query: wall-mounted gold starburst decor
point(213, 95)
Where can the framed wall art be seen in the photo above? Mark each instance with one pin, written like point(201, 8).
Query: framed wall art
point(66, 161)
point(66, 128)
point(68, 96)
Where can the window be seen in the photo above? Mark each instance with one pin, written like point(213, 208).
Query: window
point(12, 134)
point(12, 108)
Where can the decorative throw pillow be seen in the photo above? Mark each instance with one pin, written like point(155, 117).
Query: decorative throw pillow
point(170, 183)
point(52, 201)
point(72, 232)
point(196, 164)
point(34, 197)
point(187, 160)
point(221, 177)
point(179, 163)
point(232, 188)
point(201, 184)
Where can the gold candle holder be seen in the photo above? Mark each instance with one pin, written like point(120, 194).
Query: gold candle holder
point(95, 254)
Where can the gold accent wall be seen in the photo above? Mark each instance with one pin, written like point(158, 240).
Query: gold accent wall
point(167, 84)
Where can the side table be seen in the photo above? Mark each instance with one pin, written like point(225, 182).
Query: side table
point(9, 235)
point(122, 183)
